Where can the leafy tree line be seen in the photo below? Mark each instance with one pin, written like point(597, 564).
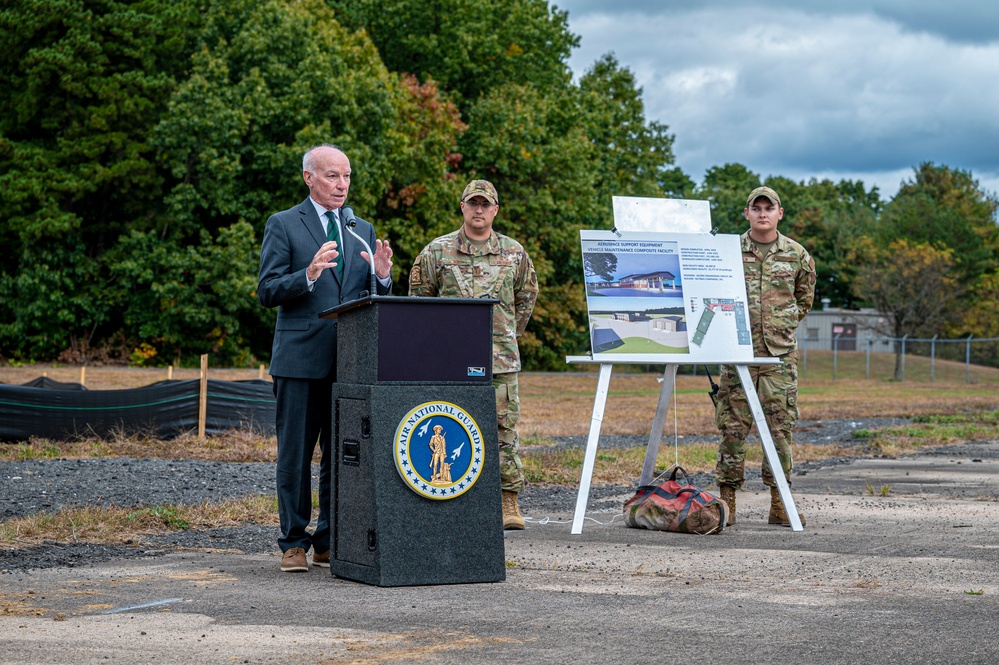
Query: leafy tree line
point(144, 143)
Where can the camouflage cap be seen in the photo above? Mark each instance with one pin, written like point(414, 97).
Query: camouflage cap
point(765, 192)
point(482, 188)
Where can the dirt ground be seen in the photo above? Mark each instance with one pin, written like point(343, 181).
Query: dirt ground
point(908, 577)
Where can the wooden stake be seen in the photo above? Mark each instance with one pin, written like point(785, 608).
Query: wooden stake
point(261, 374)
point(169, 372)
point(203, 405)
point(83, 375)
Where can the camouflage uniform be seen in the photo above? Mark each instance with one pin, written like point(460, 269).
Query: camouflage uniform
point(453, 267)
point(780, 287)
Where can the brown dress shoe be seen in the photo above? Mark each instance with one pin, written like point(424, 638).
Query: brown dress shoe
point(321, 559)
point(294, 561)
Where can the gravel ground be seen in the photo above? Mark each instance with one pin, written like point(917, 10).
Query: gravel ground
point(35, 486)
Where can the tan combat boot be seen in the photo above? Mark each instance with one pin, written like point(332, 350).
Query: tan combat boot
point(777, 513)
point(728, 496)
point(511, 511)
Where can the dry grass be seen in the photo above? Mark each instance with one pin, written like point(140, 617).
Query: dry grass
point(867, 582)
point(561, 404)
point(621, 466)
point(232, 446)
point(552, 405)
point(116, 525)
point(119, 378)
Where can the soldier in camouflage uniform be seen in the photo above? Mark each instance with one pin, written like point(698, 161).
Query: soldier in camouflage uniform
point(477, 262)
point(780, 285)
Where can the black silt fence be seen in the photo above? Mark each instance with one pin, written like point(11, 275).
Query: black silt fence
point(59, 411)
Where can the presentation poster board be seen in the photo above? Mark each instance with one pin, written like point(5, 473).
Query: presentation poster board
point(666, 297)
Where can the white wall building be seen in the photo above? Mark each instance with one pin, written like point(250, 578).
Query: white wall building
point(821, 327)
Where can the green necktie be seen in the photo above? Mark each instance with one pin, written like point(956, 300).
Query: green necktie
point(333, 233)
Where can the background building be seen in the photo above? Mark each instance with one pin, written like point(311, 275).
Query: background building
point(820, 328)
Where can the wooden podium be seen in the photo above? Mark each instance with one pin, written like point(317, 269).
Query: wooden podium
point(416, 486)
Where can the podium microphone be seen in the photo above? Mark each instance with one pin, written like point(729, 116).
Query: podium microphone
point(349, 222)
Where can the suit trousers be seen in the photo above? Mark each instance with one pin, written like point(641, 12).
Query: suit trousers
point(303, 417)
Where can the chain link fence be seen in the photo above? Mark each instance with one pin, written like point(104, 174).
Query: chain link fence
point(968, 360)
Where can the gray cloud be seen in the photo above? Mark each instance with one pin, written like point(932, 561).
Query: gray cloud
point(868, 90)
point(975, 21)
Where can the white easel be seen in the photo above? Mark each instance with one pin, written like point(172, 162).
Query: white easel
point(659, 421)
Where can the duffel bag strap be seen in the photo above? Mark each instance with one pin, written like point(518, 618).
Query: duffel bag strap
point(679, 469)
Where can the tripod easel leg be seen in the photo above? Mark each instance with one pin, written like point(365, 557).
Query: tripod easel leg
point(596, 420)
point(768, 446)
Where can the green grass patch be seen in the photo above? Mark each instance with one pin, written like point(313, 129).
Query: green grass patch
point(987, 418)
point(43, 449)
point(169, 516)
point(943, 433)
point(931, 430)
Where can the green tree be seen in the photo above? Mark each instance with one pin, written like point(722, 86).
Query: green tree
point(910, 284)
point(181, 301)
point(556, 151)
point(273, 78)
point(52, 306)
point(532, 146)
point(83, 82)
point(420, 190)
point(139, 140)
point(174, 124)
point(677, 185)
point(981, 320)
point(468, 47)
point(829, 219)
point(632, 155)
point(726, 187)
point(946, 208)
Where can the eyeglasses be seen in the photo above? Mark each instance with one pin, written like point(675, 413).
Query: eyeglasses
point(484, 205)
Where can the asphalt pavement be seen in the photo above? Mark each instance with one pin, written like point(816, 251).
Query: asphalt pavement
point(908, 577)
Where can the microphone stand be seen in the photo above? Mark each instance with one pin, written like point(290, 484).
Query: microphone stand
point(349, 222)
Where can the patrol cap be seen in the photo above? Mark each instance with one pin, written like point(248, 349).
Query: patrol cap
point(482, 188)
point(765, 192)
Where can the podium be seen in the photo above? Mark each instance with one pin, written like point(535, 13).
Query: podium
point(416, 484)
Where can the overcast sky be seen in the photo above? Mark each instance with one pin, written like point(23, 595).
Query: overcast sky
point(801, 88)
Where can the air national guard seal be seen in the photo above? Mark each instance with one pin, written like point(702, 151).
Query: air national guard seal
point(438, 450)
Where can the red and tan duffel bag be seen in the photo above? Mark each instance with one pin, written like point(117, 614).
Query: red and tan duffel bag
point(674, 506)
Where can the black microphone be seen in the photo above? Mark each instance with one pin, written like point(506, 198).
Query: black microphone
point(349, 222)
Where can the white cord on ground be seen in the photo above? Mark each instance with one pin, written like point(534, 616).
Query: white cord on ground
point(548, 520)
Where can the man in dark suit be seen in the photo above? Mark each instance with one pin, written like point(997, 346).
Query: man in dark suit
point(309, 263)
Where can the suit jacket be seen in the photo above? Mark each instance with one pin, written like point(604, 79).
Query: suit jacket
point(305, 345)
